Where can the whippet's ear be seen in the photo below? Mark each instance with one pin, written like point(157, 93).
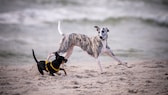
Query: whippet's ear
point(107, 30)
point(98, 29)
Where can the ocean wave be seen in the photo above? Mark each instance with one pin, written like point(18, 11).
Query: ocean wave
point(131, 53)
point(130, 50)
point(9, 54)
point(49, 16)
point(161, 21)
point(18, 40)
point(5, 54)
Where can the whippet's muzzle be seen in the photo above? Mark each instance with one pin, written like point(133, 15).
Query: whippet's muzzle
point(103, 33)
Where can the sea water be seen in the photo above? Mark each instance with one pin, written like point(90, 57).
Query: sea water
point(138, 28)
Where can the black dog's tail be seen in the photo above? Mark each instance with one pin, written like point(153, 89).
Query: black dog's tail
point(38, 66)
point(34, 56)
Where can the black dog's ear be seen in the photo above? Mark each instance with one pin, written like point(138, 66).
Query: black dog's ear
point(56, 54)
point(66, 60)
point(97, 28)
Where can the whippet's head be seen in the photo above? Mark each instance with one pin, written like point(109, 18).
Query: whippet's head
point(102, 32)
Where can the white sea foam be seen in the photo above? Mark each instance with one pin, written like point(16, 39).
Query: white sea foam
point(34, 16)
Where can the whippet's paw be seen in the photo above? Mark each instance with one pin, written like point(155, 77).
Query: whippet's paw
point(125, 64)
point(103, 72)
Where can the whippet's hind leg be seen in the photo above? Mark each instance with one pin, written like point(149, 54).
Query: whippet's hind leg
point(98, 62)
point(69, 52)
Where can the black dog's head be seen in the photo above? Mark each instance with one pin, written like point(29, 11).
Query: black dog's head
point(60, 58)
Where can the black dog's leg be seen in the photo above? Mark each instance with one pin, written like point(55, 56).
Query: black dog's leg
point(52, 74)
point(63, 70)
point(40, 70)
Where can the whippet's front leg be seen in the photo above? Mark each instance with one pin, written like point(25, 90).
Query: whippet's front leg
point(98, 62)
point(110, 53)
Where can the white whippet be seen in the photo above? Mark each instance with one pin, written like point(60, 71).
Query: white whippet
point(94, 46)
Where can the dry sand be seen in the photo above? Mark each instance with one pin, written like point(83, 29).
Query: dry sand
point(144, 78)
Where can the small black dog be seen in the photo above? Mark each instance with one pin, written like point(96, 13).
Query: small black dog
point(51, 67)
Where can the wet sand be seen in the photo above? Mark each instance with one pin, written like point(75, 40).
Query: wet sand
point(143, 78)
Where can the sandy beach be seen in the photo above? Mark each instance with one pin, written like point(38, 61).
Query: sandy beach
point(142, 78)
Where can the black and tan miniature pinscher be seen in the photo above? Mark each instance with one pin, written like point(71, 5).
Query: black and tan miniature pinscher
point(51, 67)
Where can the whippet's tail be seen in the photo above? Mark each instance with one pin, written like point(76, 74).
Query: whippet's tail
point(59, 28)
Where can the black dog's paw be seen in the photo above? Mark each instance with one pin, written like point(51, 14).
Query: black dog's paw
point(58, 74)
point(51, 74)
